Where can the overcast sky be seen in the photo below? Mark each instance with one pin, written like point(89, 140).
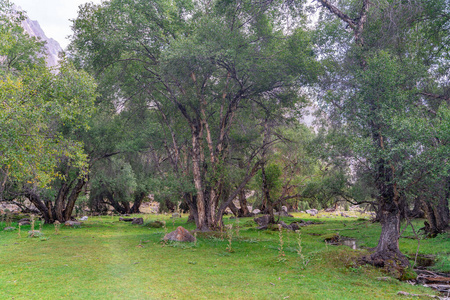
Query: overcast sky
point(53, 16)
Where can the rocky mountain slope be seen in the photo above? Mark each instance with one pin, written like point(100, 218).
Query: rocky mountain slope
point(52, 47)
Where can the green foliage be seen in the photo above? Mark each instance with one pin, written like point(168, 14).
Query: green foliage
point(36, 108)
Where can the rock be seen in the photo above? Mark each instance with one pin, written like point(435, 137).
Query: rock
point(232, 217)
point(295, 226)
point(155, 224)
point(263, 222)
point(176, 215)
point(84, 218)
point(9, 228)
point(344, 215)
point(126, 219)
point(35, 233)
point(138, 221)
point(312, 212)
point(24, 221)
point(72, 223)
point(284, 225)
point(302, 212)
point(283, 214)
point(256, 211)
point(332, 238)
point(330, 209)
point(284, 208)
point(180, 235)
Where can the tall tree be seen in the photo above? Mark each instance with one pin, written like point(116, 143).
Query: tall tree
point(374, 85)
point(37, 110)
point(199, 65)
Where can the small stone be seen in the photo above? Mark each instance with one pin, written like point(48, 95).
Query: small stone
point(312, 212)
point(24, 222)
point(256, 211)
point(155, 224)
point(84, 218)
point(35, 233)
point(72, 223)
point(284, 225)
point(138, 221)
point(176, 215)
point(295, 226)
point(9, 228)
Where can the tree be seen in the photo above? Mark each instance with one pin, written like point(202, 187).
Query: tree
point(374, 85)
point(37, 110)
point(200, 66)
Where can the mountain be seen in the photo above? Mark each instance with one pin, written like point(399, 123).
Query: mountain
point(52, 47)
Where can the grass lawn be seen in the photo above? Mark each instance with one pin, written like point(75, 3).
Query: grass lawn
point(108, 259)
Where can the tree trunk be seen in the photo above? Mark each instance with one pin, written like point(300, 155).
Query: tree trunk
point(138, 198)
point(387, 253)
point(234, 209)
point(126, 207)
point(437, 216)
point(119, 208)
point(73, 198)
point(417, 211)
point(243, 211)
point(201, 220)
point(59, 201)
point(267, 200)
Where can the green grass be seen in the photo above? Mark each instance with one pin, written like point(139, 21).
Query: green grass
point(108, 259)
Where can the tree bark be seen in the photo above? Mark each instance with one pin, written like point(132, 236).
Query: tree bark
point(73, 198)
point(387, 252)
point(138, 198)
point(243, 211)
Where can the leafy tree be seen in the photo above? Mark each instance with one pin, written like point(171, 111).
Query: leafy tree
point(200, 66)
point(374, 89)
point(37, 109)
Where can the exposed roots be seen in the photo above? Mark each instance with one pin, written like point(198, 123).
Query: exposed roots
point(394, 263)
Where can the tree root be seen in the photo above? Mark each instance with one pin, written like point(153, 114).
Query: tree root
point(394, 263)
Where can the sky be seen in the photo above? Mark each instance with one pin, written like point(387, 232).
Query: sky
point(53, 16)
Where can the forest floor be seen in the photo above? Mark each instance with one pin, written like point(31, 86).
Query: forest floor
point(109, 259)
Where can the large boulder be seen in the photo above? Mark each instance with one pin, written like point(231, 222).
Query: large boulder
point(180, 235)
point(138, 221)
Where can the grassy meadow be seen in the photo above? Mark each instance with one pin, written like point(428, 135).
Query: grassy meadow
point(109, 259)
